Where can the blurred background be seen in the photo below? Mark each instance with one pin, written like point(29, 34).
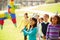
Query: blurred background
point(23, 3)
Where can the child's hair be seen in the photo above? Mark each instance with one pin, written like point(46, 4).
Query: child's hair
point(35, 20)
point(47, 15)
point(58, 18)
point(42, 18)
point(38, 15)
point(26, 14)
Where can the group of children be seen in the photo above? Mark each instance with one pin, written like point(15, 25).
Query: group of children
point(41, 26)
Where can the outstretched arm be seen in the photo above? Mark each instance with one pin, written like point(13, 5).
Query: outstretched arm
point(47, 33)
point(34, 31)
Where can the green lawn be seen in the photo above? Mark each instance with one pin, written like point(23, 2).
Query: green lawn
point(49, 7)
point(10, 32)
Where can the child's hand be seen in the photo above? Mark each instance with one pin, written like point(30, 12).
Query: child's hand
point(59, 38)
point(23, 29)
point(44, 37)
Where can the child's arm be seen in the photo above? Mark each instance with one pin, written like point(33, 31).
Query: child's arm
point(24, 31)
point(41, 34)
point(20, 23)
point(47, 33)
point(59, 35)
point(40, 30)
point(34, 31)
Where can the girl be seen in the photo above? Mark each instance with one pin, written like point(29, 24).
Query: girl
point(53, 29)
point(25, 22)
point(33, 29)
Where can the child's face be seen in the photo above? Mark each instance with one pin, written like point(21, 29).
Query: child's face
point(25, 16)
point(54, 20)
point(40, 20)
point(32, 22)
point(37, 17)
point(45, 18)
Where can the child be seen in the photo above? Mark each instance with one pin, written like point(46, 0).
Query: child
point(25, 22)
point(33, 29)
point(41, 20)
point(37, 17)
point(43, 26)
point(53, 29)
point(39, 28)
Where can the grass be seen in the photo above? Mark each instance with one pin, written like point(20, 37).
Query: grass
point(10, 32)
point(49, 7)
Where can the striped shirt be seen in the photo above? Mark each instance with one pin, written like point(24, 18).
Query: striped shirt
point(53, 32)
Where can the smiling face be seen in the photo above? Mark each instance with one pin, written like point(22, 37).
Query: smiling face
point(32, 22)
point(26, 15)
point(54, 20)
point(41, 20)
point(46, 17)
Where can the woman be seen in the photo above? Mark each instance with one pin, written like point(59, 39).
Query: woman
point(33, 29)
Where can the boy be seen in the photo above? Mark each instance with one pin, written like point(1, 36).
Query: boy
point(43, 26)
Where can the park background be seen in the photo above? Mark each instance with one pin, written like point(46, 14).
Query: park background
point(30, 6)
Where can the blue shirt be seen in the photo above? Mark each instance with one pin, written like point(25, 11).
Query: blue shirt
point(31, 33)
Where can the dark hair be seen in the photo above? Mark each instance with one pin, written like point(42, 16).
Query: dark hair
point(42, 18)
point(38, 15)
point(35, 20)
point(26, 14)
point(58, 18)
